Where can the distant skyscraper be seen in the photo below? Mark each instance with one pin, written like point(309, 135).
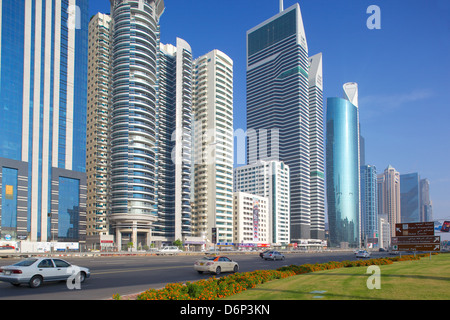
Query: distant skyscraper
point(278, 112)
point(342, 154)
point(389, 196)
point(426, 206)
point(316, 147)
point(410, 197)
point(43, 88)
point(369, 203)
point(213, 146)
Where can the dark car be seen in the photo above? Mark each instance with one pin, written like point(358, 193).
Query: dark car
point(262, 253)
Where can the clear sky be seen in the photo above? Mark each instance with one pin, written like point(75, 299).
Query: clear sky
point(402, 69)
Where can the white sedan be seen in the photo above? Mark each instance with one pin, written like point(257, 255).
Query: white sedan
point(362, 254)
point(35, 271)
point(216, 264)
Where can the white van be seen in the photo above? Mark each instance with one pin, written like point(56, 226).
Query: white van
point(169, 250)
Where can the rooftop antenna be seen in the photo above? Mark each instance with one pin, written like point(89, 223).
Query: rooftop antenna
point(281, 6)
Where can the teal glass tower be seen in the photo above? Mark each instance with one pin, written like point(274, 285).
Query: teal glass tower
point(342, 169)
point(43, 99)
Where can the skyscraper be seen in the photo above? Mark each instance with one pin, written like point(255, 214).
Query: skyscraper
point(317, 152)
point(342, 164)
point(410, 198)
point(174, 140)
point(133, 130)
point(426, 205)
point(97, 154)
point(43, 87)
point(213, 146)
point(150, 128)
point(389, 196)
point(278, 113)
point(369, 203)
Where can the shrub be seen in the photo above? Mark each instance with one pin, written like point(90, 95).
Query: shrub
point(213, 288)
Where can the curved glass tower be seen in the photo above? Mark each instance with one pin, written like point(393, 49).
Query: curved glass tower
point(134, 160)
point(342, 164)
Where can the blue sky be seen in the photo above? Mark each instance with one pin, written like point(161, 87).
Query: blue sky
point(402, 69)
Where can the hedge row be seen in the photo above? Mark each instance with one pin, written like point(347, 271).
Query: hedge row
point(216, 288)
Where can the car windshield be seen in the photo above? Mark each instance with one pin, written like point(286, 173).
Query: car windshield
point(25, 263)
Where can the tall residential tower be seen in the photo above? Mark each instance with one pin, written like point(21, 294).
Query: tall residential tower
point(213, 146)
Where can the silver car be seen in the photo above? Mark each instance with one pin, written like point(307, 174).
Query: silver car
point(273, 255)
point(35, 271)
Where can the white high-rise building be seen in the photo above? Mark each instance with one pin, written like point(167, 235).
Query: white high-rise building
point(213, 146)
point(269, 179)
point(97, 166)
point(316, 147)
point(251, 220)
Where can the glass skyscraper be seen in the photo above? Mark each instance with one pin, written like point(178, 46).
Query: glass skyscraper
point(279, 114)
point(43, 96)
point(410, 198)
point(342, 167)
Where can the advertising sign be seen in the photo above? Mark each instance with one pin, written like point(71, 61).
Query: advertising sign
point(255, 220)
point(9, 192)
point(445, 226)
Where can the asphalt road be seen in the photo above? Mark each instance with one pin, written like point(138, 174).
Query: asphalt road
point(133, 274)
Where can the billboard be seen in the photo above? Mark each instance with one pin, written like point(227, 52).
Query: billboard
point(445, 226)
point(255, 220)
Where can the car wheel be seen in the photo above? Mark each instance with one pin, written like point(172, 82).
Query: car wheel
point(235, 269)
point(81, 276)
point(36, 281)
point(218, 270)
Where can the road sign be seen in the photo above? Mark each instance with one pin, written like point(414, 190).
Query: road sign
point(416, 239)
point(414, 229)
point(416, 247)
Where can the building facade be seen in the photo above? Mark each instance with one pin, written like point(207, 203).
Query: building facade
point(133, 126)
point(426, 205)
point(269, 179)
point(369, 206)
point(278, 116)
point(251, 220)
point(174, 141)
point(213, 147)
point(389, 196)
point(316, 147)
point(97, 155)
point(43, 96)
point(342, 164)
point(410, 198)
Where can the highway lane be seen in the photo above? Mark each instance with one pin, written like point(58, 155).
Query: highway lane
point(132, 274)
